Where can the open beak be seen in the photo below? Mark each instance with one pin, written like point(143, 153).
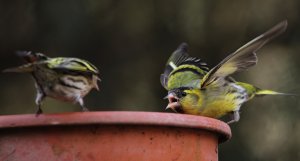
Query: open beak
point(95, 82)
point(173, 102)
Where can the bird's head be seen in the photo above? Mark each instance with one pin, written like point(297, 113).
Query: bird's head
point(31, 57)
point(182, 99)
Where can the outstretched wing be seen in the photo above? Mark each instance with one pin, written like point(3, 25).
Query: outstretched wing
point(182, 70)
point(74, 65)
point(243, 58)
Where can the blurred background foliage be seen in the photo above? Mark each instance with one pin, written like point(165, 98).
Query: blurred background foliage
point(130, 41)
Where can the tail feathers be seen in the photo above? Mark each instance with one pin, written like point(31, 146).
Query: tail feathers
point(21, 69)
point(262, 92)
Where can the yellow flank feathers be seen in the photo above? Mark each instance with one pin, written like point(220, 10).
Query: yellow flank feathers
point(198, 102)
point(219, 108)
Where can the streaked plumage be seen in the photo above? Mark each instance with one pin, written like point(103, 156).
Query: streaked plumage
point(65, 79)
point(193, 89)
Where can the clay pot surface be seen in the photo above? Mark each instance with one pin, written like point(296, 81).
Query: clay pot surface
point(111, 136)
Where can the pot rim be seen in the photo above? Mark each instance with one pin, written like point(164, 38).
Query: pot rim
point(119, 118)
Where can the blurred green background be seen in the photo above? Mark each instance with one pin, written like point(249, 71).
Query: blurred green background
point(130, 41)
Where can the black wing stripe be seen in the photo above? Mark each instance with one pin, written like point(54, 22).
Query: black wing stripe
point(62, 82)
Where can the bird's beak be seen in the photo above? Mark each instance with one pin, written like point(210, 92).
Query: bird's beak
point(95, 82)
point(173, 102)
point(96, 87)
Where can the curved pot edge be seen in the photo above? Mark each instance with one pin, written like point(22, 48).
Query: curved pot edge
point(119, 117)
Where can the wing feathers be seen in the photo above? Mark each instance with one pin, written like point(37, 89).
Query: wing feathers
point(71, 65)
point(244, 57)
point(177, 57)
point(181, 63)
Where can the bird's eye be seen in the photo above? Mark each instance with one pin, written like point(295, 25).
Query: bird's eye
point(183, 94)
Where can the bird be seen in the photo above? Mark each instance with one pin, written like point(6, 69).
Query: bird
point(195, 89)
point(62, 78)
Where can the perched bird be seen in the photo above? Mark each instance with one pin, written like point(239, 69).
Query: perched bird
point(65, 79)
point(194, 89)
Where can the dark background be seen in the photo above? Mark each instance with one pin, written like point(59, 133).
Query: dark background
point(130, 42)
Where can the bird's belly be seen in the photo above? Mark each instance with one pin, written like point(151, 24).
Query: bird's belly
point(62, 86)
point(225, 101)
point(65, 93)
point(219, 108)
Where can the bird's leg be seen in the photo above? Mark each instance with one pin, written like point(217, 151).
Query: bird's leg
point(38, 100)
point(235, 117)
point(81, 103)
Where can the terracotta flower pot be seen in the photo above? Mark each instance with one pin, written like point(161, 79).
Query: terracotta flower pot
point(110, 136)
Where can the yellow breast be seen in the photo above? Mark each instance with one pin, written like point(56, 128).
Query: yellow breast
point(216, 105)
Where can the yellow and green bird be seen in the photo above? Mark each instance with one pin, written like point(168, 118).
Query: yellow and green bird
point(194, 89)
point(61, 78)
